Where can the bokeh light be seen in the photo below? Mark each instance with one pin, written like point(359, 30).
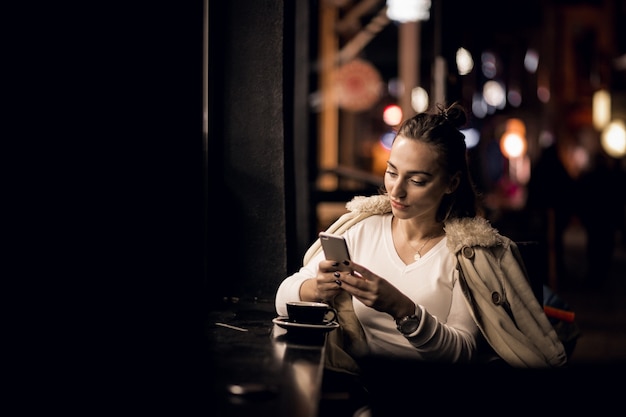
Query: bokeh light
point(531, 61)
point(419, 99)
point(394, 87)
point(479, 107)
point(543, 94)
point(601, 109)
point(514, 97)
point(392, 115)
point(472, 137)
point(489, 65)
point(494, 95)
point(614, 139)
point(408, 10)
point(387, 138)
point(464, 61)
point(513, 141)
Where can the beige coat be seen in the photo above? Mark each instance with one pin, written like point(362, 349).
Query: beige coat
point(495, 284)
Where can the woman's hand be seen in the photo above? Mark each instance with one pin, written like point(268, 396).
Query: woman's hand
point(325, 286)
point(374, 291)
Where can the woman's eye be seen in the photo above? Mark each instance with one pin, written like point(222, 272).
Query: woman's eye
point(392, 174)
point(417, 182)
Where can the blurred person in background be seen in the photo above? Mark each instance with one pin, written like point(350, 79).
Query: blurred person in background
point(551, 205)
point(603, 193)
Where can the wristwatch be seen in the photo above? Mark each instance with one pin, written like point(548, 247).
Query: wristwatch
point(408, 324)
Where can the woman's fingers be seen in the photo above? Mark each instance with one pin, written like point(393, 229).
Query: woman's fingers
point(328, 266)
point(354, 280)
point(357, 270)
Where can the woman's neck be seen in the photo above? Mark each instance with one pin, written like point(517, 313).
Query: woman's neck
point(415, 229)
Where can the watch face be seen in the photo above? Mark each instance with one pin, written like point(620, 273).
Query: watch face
point(409, 325)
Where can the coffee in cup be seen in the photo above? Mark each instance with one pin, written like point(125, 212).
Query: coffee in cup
point(310, 312)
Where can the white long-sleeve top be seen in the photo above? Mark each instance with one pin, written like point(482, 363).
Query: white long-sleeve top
point(447, 331)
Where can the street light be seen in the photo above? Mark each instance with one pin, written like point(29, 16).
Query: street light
point(601, 109)
point(614, 139)
point(513, 145)
point(403, 11)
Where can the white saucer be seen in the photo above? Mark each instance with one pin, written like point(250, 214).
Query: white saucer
point(286, 324)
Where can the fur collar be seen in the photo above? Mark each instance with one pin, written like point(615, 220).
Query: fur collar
point(469, 231)
point(376, 204)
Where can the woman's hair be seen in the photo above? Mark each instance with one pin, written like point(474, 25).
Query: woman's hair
point(440, 129)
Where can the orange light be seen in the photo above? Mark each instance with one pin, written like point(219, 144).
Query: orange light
point(512, 145)
point(513, 142)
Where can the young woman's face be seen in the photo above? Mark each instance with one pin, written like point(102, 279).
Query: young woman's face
point(414, 180)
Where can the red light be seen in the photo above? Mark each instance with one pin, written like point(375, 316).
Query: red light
point(392, 115)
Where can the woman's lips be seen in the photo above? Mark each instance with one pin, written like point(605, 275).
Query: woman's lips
point(397, 205)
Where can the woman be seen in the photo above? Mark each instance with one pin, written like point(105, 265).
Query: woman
point(429, 279)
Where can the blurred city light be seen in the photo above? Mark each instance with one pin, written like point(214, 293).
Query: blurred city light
point(614, 139)
point(512, 145)
point(358, 85)
point(493, 92)
point(514, 97)
point(387, 139)
point(464, 61)
point(392, 115)
point(513, 141)
point(531, 61)
point(419, 99)
point(543, 94)
point(489, 65)
point(394, 87)
point(479, 107)
point(579, 160)
point(601, 109)
point(472, 137)
point(546, 138)
point(403, 11)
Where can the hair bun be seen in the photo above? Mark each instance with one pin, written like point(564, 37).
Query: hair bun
point(455, 114)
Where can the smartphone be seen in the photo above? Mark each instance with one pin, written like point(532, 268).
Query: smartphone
point(334, 246)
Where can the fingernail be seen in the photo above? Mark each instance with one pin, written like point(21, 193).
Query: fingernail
point(336, 274)
point(346, 262)
point(338, 282)
point(335, 263)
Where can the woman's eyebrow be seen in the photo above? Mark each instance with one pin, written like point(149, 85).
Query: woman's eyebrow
point(411, 172)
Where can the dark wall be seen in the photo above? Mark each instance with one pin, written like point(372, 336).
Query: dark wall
point(251, 146)
point(129, 194)
point(111, 205)
point(132, 219)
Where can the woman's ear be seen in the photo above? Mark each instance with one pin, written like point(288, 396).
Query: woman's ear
point(454, 182)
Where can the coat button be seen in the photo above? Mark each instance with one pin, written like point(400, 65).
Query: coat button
point(468, 252)
point(495, 297)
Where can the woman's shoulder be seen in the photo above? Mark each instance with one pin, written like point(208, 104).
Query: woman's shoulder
point(472, 231)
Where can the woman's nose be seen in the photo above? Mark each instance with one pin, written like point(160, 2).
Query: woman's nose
point(397, 190)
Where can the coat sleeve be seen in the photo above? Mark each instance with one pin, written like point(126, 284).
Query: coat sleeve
point(497, 289)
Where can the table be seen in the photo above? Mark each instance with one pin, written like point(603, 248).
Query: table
point(258, 369)
point(286, 377)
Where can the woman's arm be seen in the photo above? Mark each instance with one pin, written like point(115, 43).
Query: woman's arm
point(315, 281)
